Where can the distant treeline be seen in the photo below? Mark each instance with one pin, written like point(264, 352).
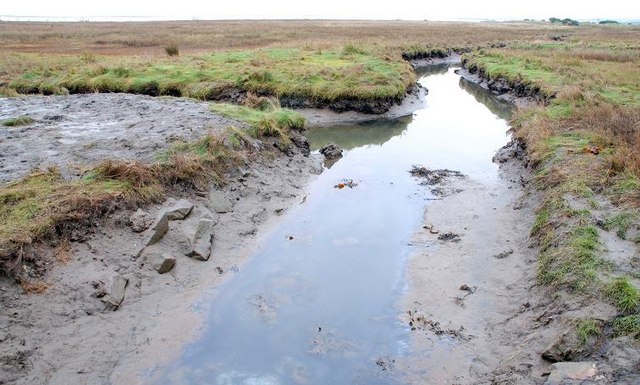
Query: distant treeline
point(563, 21)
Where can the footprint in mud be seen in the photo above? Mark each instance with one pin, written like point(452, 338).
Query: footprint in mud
point(386, 363)
point(326, 342)
point(419, 322)
point(469, 289)
point(265, 308)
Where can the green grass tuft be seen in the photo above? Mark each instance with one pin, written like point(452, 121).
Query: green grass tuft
point(627, 325)
point(619, 222)
point(587, 328)
point(542, 219)
point(17, 121)
point(623, 294)
point(267, 120)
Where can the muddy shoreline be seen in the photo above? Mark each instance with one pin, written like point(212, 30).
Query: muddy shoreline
point(549, 350)
point(473, 256)
point(69, 331)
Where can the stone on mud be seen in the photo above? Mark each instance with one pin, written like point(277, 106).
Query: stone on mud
point(219, 203)
point(140, 221)
point(202, 240)
point(115, 296)
point(158, 259)
point(158, 230)
point(565, 373)
point(180, 210)
point(163, 263)
point(331, 151)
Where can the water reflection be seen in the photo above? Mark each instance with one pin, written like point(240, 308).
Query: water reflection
point(498, 106)
point(436, 69)
point(349, 136)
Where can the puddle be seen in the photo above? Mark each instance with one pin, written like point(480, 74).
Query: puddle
point(317, 302)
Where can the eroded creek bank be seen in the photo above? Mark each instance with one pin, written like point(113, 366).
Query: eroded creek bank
point(367, 275)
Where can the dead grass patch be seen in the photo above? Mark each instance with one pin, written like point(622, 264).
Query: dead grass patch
point(34, 286)
point(44, 206)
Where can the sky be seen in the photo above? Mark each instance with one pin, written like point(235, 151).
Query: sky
point(325, 9)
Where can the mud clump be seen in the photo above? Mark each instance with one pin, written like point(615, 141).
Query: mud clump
point(503, 254)
point(437, 179)
point(515, 149)
point(331, 151)
point(433, 177)
point(449, 237)
point(140, 221)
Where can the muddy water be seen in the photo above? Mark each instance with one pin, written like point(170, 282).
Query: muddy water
point(317, 303)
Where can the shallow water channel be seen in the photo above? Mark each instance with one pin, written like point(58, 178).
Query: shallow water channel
point(318, 302)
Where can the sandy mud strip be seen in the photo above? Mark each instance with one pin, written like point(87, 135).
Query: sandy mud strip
point(474, 309)
point(108, 311)
point(471, 271)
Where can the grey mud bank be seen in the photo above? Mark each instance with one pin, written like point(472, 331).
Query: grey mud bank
point(71, 332)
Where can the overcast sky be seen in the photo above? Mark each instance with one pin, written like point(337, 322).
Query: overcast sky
point(327, 9)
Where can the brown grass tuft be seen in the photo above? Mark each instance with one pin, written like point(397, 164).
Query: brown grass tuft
point(62, 251)
point(34, 287)
point(135, 172)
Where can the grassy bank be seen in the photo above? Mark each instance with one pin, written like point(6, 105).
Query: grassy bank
point(43, 206)
point(584, 145)
point(319, 61)
point(313, 74)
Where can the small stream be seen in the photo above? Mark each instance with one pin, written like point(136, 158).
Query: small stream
point(317, 303)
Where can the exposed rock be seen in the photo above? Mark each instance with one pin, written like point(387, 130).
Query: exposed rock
point(572, 373)
point(202, 240)
point(162, 263)
point(219, 203)
point(115, 296)
point(158, 230)
point(158, 258)
point(331, 151)
point(180, 210)
point(566, 347)
point(140, 221)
